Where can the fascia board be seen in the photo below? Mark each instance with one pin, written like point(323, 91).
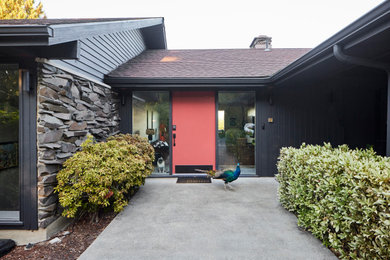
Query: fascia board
point(189, 81)
point(24, 35)
point(25, 30)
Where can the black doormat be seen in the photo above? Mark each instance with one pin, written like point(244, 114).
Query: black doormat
point(193, 180)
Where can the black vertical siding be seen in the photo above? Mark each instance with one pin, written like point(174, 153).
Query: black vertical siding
point(125, 112)
point(101, 54)
point(340, 111)
point(28, 154)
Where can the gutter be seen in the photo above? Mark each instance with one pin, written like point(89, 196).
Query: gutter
point(25, 30)
point(24, 35)
point(341, 56)
point(255, 82)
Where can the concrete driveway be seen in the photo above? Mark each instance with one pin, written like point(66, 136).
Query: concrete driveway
point(165, 220)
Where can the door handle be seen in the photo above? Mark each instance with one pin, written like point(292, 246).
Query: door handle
point(174, 139)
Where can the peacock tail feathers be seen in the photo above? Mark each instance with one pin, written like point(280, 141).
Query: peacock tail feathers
point(211, 173)
point(226, 175)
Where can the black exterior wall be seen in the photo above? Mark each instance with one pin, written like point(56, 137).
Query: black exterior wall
point(349, 108)
point(125, 112)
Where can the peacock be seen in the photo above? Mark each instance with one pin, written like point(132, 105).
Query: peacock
point(227, 175)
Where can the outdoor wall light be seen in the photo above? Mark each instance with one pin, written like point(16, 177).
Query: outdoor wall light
point(270, 101)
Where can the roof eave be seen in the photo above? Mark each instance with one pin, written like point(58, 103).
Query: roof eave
point(194, 81)
point(25, 35)
point(366, 23)
point(71, 32)
point(47, 35)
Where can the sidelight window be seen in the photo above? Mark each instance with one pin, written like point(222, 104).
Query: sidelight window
point(9, 144)
point(236, 130)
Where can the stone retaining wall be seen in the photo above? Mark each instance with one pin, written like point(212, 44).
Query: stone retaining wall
point(69, 108)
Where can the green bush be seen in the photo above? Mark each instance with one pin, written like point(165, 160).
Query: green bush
point(340, 195)
point(102, 174)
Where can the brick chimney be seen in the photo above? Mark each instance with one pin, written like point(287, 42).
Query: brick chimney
point(262, 42)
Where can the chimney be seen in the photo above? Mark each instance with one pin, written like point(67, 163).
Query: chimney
point(262, 42)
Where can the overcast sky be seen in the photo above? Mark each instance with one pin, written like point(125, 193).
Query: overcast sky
point(210, 24)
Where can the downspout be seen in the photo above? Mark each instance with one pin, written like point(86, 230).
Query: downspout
point(341, 56)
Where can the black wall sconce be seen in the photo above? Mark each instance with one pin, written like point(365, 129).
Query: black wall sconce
point(270, 100)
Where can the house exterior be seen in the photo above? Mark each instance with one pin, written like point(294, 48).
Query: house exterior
point(200, 109)
point(53, 73)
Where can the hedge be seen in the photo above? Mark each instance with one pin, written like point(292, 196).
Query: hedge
point(102, 174)
point(340, 195)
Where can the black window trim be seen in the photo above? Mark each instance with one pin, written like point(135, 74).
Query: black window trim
point(27, 151)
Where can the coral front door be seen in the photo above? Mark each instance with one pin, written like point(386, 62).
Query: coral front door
point(193, 131)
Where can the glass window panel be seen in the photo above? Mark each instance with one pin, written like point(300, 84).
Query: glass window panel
point(9, 143)
point(151, 113)
point(236, 131)
point(221, 120)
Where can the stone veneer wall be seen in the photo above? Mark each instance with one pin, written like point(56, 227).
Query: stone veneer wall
point(69, 108)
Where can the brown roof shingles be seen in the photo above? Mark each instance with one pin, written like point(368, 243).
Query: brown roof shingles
point(218, 63)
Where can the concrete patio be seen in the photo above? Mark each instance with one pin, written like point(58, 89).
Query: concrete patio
point(166, 220)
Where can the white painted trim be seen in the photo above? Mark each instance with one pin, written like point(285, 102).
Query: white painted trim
point(61, 67)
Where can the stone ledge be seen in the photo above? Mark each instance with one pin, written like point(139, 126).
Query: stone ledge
point(23, 237)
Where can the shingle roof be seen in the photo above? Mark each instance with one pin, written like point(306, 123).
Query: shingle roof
point(226, 63)
point(61, 21)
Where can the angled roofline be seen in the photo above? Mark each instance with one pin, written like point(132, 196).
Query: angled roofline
point(51, 34)
point(368, 25)
point(62, 32)
point(375, 21)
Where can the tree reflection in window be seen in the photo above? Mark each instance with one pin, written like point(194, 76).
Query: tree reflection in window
point(9, 142)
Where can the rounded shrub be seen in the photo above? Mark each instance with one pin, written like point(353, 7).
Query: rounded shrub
point(340, 195)
point(102, 174)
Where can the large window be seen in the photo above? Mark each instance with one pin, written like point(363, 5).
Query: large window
point(151, 112)
point(236, 130)
point(9, 144)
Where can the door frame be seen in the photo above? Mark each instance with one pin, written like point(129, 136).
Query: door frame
point(127, 127)
point(256, 94)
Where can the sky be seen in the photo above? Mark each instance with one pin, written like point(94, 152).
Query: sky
point(215, 24)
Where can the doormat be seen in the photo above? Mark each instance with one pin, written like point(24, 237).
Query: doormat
point(193, 180)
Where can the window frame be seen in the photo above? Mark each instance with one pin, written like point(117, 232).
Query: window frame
point(27, 152)
point(256, 134)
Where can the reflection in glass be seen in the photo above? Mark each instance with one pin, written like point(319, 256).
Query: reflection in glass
point(9, 143)
point(236, 131)
point(151, 120)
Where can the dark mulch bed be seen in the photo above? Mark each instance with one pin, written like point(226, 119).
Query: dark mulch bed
point(81, 235)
